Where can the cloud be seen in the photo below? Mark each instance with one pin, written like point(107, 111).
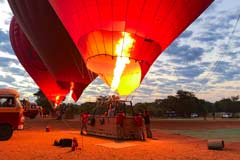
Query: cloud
point(226, 71)
point(190, 71)
point(209, 37)
point(184, 53)
point(4, 37)
point(7, 79)
point(5, 45)
point(5, 16)
point(217, 27)
point(97, 81)
point(186, 34)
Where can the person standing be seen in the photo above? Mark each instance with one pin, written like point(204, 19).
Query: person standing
point(146, 117)
point(213, 115)
point(84, 117)
point(61, 112)
point(119, 121)
point(40, 109)
point(139, 123)
point(111, 111)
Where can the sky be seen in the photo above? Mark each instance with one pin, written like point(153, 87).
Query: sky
point(204, 59)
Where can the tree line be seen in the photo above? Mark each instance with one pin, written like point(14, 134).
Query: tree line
point(182, 105)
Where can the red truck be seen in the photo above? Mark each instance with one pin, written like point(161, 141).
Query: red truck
point(31, 113)
point(30, 109)
point(11, 113)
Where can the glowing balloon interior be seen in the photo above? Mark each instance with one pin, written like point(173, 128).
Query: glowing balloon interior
point(120, 40)
point(113, 59)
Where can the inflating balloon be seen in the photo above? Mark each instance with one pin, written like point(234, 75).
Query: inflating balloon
point(52, 43)
point(34, 65)
point(120, 40)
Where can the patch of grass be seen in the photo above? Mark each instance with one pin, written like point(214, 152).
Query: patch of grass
point(228, 135)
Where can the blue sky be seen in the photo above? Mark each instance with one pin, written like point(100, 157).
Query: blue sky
point(205, 59)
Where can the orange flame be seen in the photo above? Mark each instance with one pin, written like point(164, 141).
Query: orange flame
point(71, 89)
point(122, 51)
point(57, 98)
point(56, 101)
point(71, 85)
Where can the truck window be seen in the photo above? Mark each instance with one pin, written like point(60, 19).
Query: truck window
point(6, 101)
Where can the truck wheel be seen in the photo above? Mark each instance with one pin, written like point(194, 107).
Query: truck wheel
point(6, 132)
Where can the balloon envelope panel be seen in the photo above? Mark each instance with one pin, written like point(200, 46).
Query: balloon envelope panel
point(34, 65)
point(141, 28)
point(48, 36)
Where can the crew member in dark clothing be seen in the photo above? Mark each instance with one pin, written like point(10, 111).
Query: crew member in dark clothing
point(120, 121)
point(139, 122)
point(84, 117)
point(147, 124)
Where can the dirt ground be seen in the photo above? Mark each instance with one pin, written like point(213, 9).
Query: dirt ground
point(36, 144)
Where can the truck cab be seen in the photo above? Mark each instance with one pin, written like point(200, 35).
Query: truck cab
point(11, 113)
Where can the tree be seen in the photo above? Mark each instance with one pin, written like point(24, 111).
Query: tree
point(169, 104)
point(186, 103)
point(43, 101)
point(140, 107)
point(228, 104)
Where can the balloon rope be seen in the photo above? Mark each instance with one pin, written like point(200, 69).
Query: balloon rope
point(71, 128)
point(214, 67)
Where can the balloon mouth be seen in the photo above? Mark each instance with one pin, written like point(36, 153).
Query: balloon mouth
point(74, 89)
point(104, 66)
point(118, 57)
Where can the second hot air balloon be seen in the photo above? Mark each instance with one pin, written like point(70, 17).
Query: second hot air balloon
point(34, 65)
point(52, 43)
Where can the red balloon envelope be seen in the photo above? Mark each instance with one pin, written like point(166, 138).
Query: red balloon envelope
point(120, 40)
point(53, 44)
point(34, 65)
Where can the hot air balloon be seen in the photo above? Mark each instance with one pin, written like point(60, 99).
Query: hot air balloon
point(52, 43)
point(34, 65)
point(119, 40)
